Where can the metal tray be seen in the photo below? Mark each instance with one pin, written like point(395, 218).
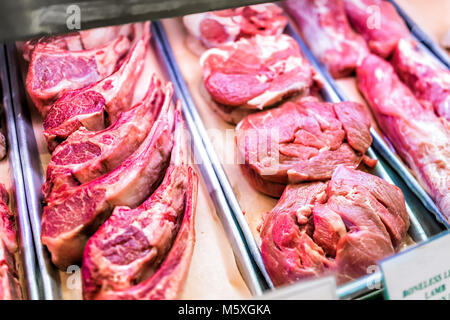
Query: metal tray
point(422, 37)
point(421, 227)
point(28, 272)
point(50, 280)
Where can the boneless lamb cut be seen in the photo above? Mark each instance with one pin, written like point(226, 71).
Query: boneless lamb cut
point(87, 106)
point(325, 27)
point(419, 136)
point(9, 277)
point(73, 215)
point(301, 141)
point(256, 73)
point(343, 226)
point(122, 258)
point(218, 27)
point(86, 155)
point(379, 24)
point(428, 80)
point(53, 70)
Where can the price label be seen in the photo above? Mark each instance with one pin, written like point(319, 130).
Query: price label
point(319, 289)
point(421, 272)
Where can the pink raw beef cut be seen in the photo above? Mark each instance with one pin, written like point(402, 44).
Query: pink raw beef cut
point(301, 141)
point(343, 226)
point(86, 155)
point(256, 73)
point(53, 70)
point(426, 78)
point(73, 215)
point(420, 137)
point(9, 277)
point(86, 106)
point(325, 27)
point(122, 255)
point(378, 22)
point(219, 27)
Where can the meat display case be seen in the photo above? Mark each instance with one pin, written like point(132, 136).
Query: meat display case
point(11, 167)
point(423, 225)
point(42, 277)
point(51, 282)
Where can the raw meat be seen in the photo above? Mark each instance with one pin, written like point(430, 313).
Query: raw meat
point(325, 27)
point(420, 137)
point(9, 278)
point(378, 22)
point(72, 216)
point(219, 27)
point(53, 70)
point(71, 42)
point(86, 155)
point(132, 243)
point(426, 78)
point(256, 73)
point(301, 141)
point(86, 39)
point(345, 226)
point(167, 282)
point(86, 106)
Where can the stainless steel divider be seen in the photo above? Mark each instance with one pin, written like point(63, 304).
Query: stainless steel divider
point(30, 270)
point(32, 173)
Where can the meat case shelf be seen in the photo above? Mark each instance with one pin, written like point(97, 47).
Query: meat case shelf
point(28, 271)
point(423, 225)
point(50, 281)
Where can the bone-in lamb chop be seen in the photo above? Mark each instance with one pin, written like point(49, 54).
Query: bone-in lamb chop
point(86, 39)
point(53, 70)
point(123, 258)
point(87, 106)
point(86, 155)
point(343, 226)
point(218, 27)
point(9, 278)
point(301, 141)
point(73, 215)
point(420, 137)
point(325, 27)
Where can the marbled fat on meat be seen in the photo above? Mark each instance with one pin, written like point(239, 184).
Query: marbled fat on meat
point(53, 70)
point(87, 106)
point(132, 244)
point(86, 155)
point(73, 215)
